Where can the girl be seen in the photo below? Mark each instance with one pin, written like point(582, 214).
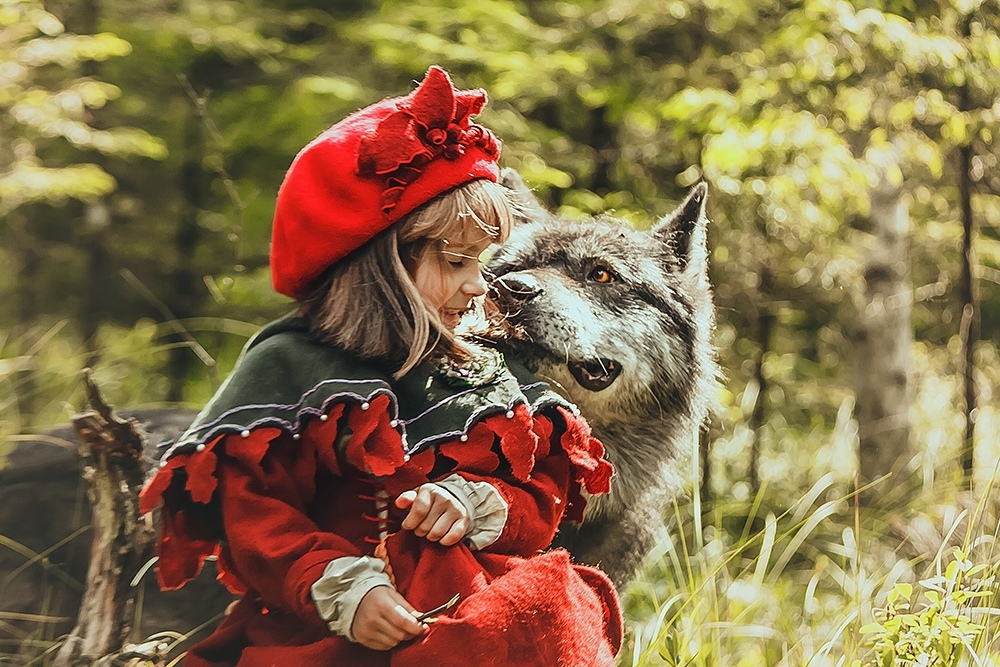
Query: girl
point(363, 464)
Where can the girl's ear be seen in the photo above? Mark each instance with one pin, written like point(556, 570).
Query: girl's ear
point(527, 208)
point(683, 231)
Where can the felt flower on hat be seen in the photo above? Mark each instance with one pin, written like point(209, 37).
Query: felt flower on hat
point(430, 123)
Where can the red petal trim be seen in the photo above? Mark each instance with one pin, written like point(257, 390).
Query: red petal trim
point(251, 449)
point(575, 504)
point(201, 481)
point(182, 551)
point(227, 572)
point(374, 446)
point(518, 441)
point(152, 493)
point(475, 455)
point(427, 124)
point(542, 427)
point(324, 434)
point(586, 453)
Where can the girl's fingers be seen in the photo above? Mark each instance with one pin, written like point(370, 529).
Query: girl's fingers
point(384, 619)
point(420, 507)
point(444, 525)
point(455, 533)
point(434, 513)
point(405, 499)
point(407, 622)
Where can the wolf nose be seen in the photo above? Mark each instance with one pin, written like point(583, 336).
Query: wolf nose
point(514, 291)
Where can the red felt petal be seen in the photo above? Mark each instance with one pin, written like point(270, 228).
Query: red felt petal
point(200, 469)
point(432, 104)
point(251, 449)
point(181, 551)
point(585, 453)
point(575, 504)
point(395, 142)
point(542, 426)
point(468, 103)
point(518, 441)
point(476, 455)
point(324, 434)
point(151, 494)
point(375, 446)
point(227, 572)
point(599, 481)
point(201, 480)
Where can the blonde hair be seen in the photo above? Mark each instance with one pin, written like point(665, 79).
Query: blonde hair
point(368, 304)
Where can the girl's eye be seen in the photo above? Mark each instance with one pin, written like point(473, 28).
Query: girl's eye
point(601, 274)
point(456, 263)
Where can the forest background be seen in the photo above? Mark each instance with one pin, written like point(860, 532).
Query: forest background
point(851, 155)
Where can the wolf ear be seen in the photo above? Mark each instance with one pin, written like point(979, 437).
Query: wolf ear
point(527, 208)
point(683, 231)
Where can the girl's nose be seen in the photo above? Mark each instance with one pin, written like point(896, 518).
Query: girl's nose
point(476, 285)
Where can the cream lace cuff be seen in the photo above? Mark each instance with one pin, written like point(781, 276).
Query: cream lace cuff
point(338, 592)
point(485, 506)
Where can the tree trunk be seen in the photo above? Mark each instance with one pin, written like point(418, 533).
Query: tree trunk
point(884, 340)
point(122, 543)
point(765, 331)
point(969, 333)
point(186, 283)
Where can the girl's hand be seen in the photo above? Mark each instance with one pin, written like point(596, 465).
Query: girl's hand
point(434, 514)
point(384, 619)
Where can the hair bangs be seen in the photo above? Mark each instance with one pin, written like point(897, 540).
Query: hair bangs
point(487, 205)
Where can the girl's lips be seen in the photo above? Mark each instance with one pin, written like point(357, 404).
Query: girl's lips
point(452, 316)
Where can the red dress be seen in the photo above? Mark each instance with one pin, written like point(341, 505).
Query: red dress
point(276, 504)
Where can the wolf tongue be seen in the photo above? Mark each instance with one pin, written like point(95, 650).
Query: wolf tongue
point(595, 374)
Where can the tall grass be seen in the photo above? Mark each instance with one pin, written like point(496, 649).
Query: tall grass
point(818, 581)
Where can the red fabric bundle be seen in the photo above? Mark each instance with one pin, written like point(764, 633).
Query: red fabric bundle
point(537, 612)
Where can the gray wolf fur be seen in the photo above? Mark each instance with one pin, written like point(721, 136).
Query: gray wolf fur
point(619, 321)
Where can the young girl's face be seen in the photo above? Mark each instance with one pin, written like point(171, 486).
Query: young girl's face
point(449, 276)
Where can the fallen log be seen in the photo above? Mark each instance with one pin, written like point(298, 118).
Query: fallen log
point(122, 541)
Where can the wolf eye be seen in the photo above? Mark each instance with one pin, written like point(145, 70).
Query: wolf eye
point(601, 274)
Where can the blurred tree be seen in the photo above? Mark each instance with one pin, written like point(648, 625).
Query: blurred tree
point(884, 337)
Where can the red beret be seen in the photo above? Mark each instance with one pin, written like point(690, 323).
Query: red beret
point(372, 168)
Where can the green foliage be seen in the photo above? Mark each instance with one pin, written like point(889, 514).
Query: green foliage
point(937, 634)
point(44, 98)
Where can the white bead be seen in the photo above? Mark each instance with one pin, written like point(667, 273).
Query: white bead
point(163, 463)
point(406, 457)
point(201, 447)
point(245, 434)
point(557, 499)
point(296, 436)
point(464, 438)
point(365, 405)
point(323, 418)
point(510, 414)
point(394, 423)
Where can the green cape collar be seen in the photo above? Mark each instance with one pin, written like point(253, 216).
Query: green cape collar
point(285, 377)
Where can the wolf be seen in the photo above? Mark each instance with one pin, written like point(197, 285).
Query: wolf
point(620, 322)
